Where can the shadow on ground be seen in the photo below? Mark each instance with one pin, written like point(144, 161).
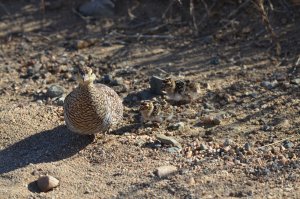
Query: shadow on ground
point(47, 146)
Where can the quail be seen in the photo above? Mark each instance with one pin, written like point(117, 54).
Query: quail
point(155, 111)
point(151, 111)
point(91, 108)
point(181, 90)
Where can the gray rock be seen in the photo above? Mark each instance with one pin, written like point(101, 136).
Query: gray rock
point(156, 85)
point(55, 91)
point(173, 149)
point(287, 144)
point(296, 81)
point(176, 126)
point(203, 147)
point(164, 171)
point(95, 8)
point(247, 146)
point(168, 140)
point(269, 85)
point(228, 142)
point(60, 101)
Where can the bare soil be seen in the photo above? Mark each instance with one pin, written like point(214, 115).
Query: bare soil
point(253, 153)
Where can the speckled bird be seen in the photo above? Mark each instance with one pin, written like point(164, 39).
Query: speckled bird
point(181, 90)
point(151, 111)
point(92, 108)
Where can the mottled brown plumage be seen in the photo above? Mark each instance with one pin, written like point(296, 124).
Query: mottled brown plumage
point(92, 108)
point(181, 90)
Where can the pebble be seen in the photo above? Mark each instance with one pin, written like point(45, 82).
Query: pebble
point(60, 101)
point(173, 149)
point(191, 181)
point(267, 128)
point(247, 146)
point(177, 126)
point(46, 183)
point(209, 119)
point(164, 171)
point(168, 140)
point(228, 142)
point(98, 8)
point(55, 91)
point(287, 144)
point(203, 147)
point(156, 85)
point(215, 61)
point(269, 85)
point(296, 81)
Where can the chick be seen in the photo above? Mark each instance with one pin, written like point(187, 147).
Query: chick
point(151, 111)
point(181, 90)
point(91, 108)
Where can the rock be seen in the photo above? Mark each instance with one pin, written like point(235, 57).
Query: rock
point(228, 142)
point(267, 128)
point(156, 85)
point(164, 171)
point(55, 91)
point(173, 150)
point(215, 61)
point(177, 126)
point(247, 146)
point(95, 8)
point(287, 144)
point(168, 140)
point(296, 81)
point(60, 101)
point(191, 181)
point(269, 85)
point(203, 147)
point(46, 183)
point(211, 120)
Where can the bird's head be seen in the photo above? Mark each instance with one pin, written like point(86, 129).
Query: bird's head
point(85, 75)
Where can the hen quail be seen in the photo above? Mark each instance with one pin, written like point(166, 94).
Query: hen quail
point(91, 108)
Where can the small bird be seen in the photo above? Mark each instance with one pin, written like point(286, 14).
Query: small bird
point(91, 108)
point(151, 111)
point(155, 111)
point(181, 90)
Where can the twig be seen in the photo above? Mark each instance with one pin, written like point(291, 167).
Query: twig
point(266, 22)
point(234, 12)
point(207, 13)
point(139, 36)
point(168, 8)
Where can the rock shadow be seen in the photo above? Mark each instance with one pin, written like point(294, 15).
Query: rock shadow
point(47, 146)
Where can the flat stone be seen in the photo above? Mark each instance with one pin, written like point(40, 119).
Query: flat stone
point(55, 91)
point(156, 85)
point(168, 140)
point(165, 171)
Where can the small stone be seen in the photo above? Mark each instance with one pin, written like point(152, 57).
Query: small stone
point(55, 91)
point(189, 154)
point(296, 81)
point(267, 128)
point(203, 147)
point(215, 61)
point(287, 144)
point(168, 140)
point(156, 85)
point(210, 120)
point(269, 85)
point(97, 8)
point(164, 171)
point(177, 126)
point(46, 183)
point(228, 142)
point(173, 150)
point(60, 101)
point(191, 181)
point(247, 146)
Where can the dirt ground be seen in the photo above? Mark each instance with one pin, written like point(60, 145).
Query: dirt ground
point(252, 152)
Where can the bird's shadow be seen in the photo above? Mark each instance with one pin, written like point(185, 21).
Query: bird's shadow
point(47, 146)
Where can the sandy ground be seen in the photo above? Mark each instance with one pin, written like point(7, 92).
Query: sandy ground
point(253, 152)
